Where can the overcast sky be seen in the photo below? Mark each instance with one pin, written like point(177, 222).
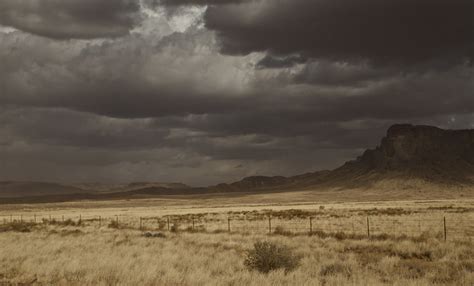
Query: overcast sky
point(210, 91)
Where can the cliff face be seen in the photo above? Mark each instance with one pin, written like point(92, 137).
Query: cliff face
point(407, 146)
point(409, 152)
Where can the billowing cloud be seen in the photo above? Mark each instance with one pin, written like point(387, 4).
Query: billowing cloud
point(65, 19)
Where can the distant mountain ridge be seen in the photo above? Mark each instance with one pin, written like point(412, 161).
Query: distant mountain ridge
point(19, 189)
point(409, 157)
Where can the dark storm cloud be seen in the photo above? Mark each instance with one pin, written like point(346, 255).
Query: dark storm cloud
point(196, 2)
point(384, 32)
point(65, 19)
point(406, 99)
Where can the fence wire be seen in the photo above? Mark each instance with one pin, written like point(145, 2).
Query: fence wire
point(452, 226)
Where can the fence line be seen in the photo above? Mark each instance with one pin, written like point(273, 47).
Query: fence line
point(462, 227)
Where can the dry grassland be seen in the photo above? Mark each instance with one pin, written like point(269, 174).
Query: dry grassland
point(337, 252)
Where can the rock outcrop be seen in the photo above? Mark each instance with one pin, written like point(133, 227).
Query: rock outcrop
point(406, 146)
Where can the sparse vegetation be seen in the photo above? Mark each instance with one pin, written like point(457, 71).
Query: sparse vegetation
point(336, 268)
point(122, 254)
point(154, 234)
point(17, 226)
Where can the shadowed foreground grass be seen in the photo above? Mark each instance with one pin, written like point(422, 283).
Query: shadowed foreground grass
point(71, 255)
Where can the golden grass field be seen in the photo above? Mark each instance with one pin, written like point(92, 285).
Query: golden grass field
point(406, 244)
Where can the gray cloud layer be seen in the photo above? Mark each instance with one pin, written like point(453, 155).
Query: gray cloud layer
point(211, 94)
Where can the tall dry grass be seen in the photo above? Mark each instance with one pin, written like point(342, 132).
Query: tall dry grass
point(87, 255)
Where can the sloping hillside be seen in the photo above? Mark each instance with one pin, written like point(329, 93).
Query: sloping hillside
point(408, 157)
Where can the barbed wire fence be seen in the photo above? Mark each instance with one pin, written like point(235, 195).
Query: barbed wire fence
point(445, 227)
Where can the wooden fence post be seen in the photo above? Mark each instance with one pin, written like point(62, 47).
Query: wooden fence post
point(368, 228)
point(100, 221)
point(116, 219)
point(228, 224)
point(140, 223)
point(419, 226)
point(168, 220)
point(444, 225)
point(80, 218)
point(193, 223)
point(270, 224)
point(310, 225)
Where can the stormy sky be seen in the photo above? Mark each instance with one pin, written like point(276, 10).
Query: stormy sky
point(210, 91)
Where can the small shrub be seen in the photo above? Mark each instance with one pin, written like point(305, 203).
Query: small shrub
point(161, 225)
point(319, 233)
point(174, 227)
point(73, 232)
point(282, 231)
point(154, 234)
point(17, 227)
point(335, 269)
point(340, 235)
point(70, 222)
point(268, 256)
point(114, 224)
point(412, 268)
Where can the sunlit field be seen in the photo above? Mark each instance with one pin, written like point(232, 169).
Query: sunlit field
point(121, 243)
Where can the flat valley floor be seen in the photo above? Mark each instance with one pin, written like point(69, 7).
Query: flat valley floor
point(205, 241)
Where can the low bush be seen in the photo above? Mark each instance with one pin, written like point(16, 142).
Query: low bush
point(282, 231)
point(174, 227)
point(17, 226)
point(268, 256)
point(154, 234)
point(114, 224)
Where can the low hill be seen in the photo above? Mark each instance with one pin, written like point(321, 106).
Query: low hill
point(13, 189)
point(16, 189)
